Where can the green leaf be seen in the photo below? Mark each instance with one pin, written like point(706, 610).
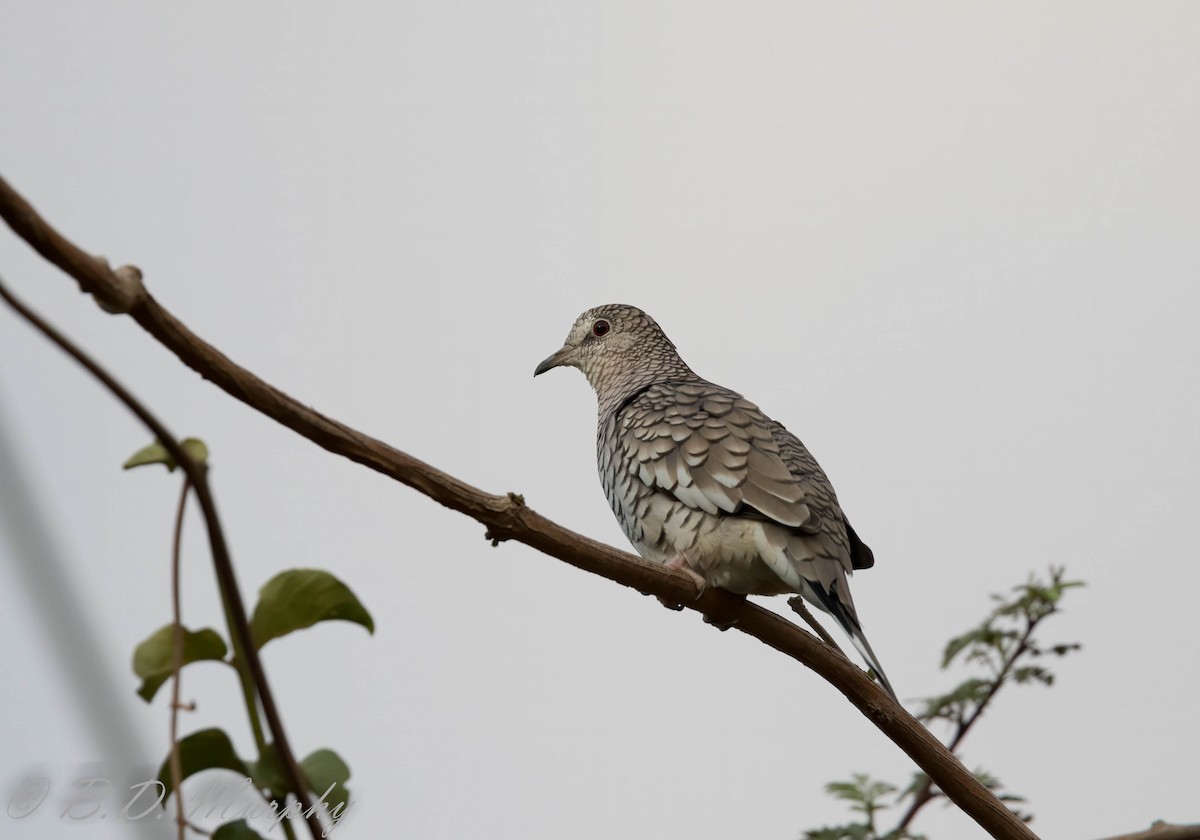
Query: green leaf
point(208, 749)
point(155, 453)
point(267, 774)
point(969, 692)
point(995, 786)
point(987, 779)
point(322, 769)
point(1027, 673)
point(864, 793)
point(299, 598)
point(843, 790)
point(850, 831)
point(237, 830)
point(1064, 649)
point(153, 659)
point(956, 645)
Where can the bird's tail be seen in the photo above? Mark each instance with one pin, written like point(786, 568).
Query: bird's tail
point(846, 618)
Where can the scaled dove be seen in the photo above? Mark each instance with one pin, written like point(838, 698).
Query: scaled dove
point(702, 481)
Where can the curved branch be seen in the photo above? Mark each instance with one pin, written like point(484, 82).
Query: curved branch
point(507, 517)
point(1163, 831)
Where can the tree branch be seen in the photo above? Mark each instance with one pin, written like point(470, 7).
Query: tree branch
point(507, 517)
point(925, 794)
point(197, 475)
point(1160, 830)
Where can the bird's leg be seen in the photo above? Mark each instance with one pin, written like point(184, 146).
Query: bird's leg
point(680, 563)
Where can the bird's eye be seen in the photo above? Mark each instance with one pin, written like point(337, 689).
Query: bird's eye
point(601, 327)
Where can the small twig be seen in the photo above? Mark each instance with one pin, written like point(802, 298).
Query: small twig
point(925, 794)
point(196, 473)
point(798, 606)
point(1001, 675)
point(1160, 830)
point(177, 665)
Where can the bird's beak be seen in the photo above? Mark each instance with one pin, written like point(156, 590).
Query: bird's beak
point(556, 360)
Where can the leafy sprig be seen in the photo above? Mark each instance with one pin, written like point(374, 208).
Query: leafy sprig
point(1001, 650)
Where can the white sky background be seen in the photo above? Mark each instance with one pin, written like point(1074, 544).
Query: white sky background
point(952, 246)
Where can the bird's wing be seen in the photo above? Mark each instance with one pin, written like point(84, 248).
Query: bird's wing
point(717, 452)
point(804, 467)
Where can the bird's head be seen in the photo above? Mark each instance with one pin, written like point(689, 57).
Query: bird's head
point(616, 345)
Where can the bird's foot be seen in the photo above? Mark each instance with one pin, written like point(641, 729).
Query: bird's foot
point(720, 625)
point(726, 612)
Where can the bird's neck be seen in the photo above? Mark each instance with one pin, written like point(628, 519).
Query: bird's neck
point(614, 388)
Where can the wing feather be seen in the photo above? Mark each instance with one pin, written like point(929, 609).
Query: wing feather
point(715, 452)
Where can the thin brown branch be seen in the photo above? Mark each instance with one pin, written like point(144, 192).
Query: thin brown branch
point(798, 607)
point(507, 517)
point(1160, 830)
point(1001, 676)
point(925, 794)
point(177, 663)
point(197, 475)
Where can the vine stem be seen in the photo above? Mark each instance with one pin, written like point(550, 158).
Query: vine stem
point(197, 474)
point(177, 665)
